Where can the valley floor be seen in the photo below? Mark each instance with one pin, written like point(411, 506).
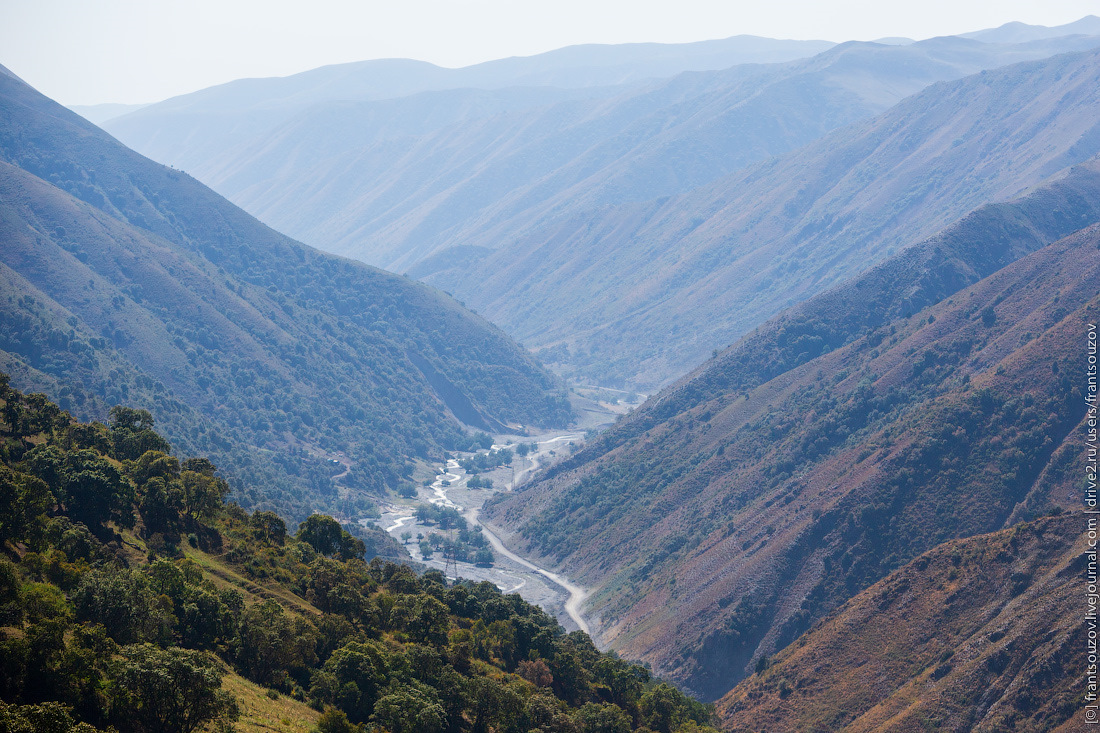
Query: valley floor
point(509, 572)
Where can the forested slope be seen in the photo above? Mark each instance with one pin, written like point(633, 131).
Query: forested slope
point(132, 596)
point(129, 281)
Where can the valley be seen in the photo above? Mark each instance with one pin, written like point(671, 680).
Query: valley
point(509, 572)
point(738, 385)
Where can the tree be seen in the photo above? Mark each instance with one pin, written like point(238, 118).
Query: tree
point(123, 602)
point(48, 717)
point(269, 527)
point(271, 643)
point(603, 718)
point(132, 433)
point(322, 533)
point(204, 494)
point(410, 709)
point(91, 488)
point(352, 679)
point(335, 721)
point(171, 690)
point(23, 503)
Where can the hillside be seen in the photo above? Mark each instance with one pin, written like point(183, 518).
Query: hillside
point(126, 281)
point(641, 293)
point(133, 598)
point(932, 398)
point(982, 634)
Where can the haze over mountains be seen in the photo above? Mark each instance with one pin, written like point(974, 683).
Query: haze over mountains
point(501, 196)
point(191, 130)
point(638, 293)
point(129, 282)
point(877, 268)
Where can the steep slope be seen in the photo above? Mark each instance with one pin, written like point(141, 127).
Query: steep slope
point(192, 130)
point(809, 460)
point(128, 281)
point(117, 621)
point(640, 293)
point(983, 634)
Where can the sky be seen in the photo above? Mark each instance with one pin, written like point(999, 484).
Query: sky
point(139, 51)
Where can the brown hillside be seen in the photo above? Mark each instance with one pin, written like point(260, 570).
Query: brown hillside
point(983, 634)
point(728, 527)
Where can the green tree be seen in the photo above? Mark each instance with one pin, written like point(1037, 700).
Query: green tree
point(603, 718)
point(171, 690)
point(123, 602)
point(90, 488)
point(269, 527)
point(271, 643)
point(410, 709)
point(352, 679)
point(24, 501)
point(47, 717)
point(335, 721)
point(132, 433)
point(322, 533)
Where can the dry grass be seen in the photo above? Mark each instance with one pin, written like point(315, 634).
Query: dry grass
point(261, 713)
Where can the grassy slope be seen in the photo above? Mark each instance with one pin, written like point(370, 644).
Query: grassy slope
point(733, 510)
point(246, 345)
point(981, 634)
point(260, 713)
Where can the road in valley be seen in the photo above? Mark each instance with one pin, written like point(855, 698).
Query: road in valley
point(510, 572)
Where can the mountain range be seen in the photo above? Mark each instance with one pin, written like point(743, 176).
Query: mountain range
point(937, 396)
point(857, 510)
point(129, 282)
point(667, 281)
point(544, 208)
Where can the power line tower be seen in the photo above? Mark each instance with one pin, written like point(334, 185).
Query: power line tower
point(450, 556)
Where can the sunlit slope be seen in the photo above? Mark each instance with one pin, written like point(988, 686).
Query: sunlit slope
point(934, 397)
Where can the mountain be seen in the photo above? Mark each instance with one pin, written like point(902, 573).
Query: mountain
point(1020, 32)
point(981, 634)
point(639, 293)
point(116, 621)
point(392, 182)
point(937, 396)
point(193, 129)
point(129, 282)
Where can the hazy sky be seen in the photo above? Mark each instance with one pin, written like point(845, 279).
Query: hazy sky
point(91, 51)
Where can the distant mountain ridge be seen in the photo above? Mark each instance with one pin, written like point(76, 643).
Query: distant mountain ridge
point(1017, 32)
point(185, 131)
point(928, 399)
point(551, 219)
point(484, 168)
point(639, 293)
point(129, 282)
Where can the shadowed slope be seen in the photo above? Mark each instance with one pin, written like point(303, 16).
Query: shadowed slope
point(153, 290)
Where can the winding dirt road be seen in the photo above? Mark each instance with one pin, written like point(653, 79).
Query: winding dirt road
point(576, 594)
